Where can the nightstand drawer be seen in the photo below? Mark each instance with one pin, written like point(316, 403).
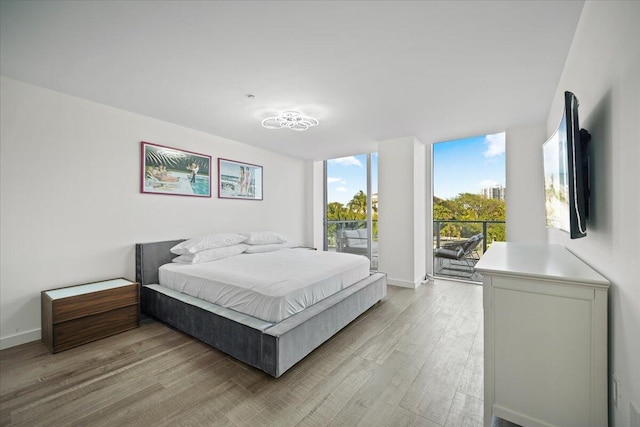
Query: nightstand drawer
point(93, 303)
point(90, 328)
point(75, 315)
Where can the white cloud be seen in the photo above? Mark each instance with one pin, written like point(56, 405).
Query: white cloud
point(347, 161)
point(342, 189)
point(331, 180)
point(495, 145)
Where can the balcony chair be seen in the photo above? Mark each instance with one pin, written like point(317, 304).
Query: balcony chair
point(354, 242)
point(465, 251)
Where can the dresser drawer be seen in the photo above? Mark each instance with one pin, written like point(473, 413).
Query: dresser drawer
point(90, 328)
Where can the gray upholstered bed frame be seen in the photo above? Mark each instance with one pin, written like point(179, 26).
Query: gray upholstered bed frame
point(273, 348)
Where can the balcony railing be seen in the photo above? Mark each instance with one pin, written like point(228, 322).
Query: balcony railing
point(450, 231)
point(446, 232)
point(333, 226)
point(339, 242)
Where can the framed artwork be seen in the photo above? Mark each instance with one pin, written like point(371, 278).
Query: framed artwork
point(171, 171)
point(238, 180)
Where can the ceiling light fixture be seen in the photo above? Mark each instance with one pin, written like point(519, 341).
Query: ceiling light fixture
point(293, 120)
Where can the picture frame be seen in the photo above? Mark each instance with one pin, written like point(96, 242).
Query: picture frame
point(239, 180)
point(166, 170)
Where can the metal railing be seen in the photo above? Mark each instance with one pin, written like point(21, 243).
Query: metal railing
point(453, 231)
point(333, 226)
point(334, 229)
point(445, 231)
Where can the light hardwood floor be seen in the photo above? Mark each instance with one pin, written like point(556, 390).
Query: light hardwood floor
point(415, 359)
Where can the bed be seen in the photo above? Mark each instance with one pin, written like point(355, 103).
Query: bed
point(273, 345)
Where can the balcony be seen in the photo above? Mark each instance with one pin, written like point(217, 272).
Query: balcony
point(450, 232)
point(445, 233)
point(350, 236)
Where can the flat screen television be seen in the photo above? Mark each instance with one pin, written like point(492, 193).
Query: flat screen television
point(566, 173)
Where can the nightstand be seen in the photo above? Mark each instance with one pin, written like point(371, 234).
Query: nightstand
point(76, 315)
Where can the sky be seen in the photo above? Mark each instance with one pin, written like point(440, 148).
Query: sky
point(460, 166)
point(348, 175)
point(468, 165)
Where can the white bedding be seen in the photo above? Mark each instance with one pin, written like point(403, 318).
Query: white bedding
point(269, 286)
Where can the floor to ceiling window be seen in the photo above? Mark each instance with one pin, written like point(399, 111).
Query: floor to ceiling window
point(469, 210)
point(351, 205)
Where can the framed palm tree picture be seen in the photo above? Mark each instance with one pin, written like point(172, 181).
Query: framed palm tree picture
point(238, 180)
point(168, 170)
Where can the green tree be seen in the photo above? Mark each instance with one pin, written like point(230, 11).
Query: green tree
point(470, 207)
point(355, 211)
point(336, 211)
point(358, 205)
point(441, 210)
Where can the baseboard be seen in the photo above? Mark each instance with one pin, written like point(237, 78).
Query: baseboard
point(21, 338)
point(403, 283)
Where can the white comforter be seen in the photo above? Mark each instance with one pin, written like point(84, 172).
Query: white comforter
point(270, 286)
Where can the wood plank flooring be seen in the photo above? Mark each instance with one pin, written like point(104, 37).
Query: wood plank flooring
point(415, 359)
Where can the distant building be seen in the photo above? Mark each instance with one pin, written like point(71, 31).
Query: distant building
point(496, 192)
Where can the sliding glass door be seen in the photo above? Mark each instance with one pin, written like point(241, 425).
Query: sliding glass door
point(469, 209)
point(351, 206)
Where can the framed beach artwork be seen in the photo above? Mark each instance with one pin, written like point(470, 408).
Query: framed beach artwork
point(168, 170)
point(238, 180)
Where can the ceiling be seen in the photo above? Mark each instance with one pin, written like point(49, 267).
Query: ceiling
point(367, 70)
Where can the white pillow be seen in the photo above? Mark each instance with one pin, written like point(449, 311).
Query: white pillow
point(211, 254)
point(363, 233)
point(210, 241)
point(263, 238)
point(353, 238)
point(256, 249)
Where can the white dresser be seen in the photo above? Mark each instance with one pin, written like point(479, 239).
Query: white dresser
point(545, 337)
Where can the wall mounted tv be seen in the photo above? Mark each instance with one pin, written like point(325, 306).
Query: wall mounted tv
point(566, 173)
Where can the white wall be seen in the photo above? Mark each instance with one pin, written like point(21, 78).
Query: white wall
point(603, 70)
point(420, 198)
point(402, 194)
point(525, 184)
point(317, 193)
point(71, 207)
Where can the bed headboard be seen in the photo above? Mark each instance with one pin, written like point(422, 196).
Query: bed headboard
point(149, 257)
